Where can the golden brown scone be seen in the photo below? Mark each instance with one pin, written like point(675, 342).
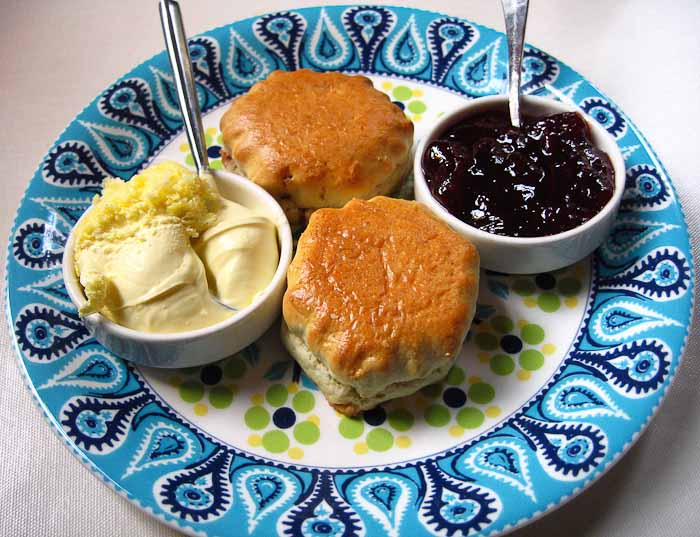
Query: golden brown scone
point(317, 139)
point(380, 297)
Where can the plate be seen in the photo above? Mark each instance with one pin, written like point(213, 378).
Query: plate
point(559, 375)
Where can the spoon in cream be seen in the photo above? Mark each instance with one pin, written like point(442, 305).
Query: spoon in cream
point(515, 13)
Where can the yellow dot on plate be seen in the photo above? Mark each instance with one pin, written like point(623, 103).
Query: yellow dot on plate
point(524, 374)
point(571, 301)
point(314, 419)
point(360, 448)
point(255, 440)
point(403, 441)
point(549, 348)
point(174, 381)
point(257, 399)
point(522, 323)
point(295, 453)
point(417, 117)
point(184, 147)
point(456, 431)
point(293, 387)
point(493, 411)
point(418, 92)
point(211, 131)
point(530, 301)
point(474, 380)
point(387, 85)
point(483, 357)
point(201, 409)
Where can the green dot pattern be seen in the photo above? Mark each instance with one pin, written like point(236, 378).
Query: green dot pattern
point(380, 439)
point(549, 302)
point(470, 417)
point(257, 417)
point(351, 427)
point(481, 393)
point(191, 391)
point(486, 341)
point(401, 419)
point(524, 287)
point(276, 395)
point(275, 441)
point(502, 323)
point(235, 368)
point(417, 107)
point(303, 401)
point(402, 93)
point(306, 433)
point(220, 397)
point(437, 415)
point(455, 376)
point(502, 364)
point(532, 334)
point(531, 359)
point(569, 286)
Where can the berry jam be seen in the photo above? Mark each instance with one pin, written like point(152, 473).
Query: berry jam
point(541, 179)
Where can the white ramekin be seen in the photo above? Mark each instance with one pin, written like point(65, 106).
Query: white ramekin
point(197, 347)
point(527, 255)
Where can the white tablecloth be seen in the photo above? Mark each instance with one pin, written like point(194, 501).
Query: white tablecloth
point(56, 56)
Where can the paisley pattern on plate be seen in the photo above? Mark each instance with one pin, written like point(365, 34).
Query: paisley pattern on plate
point(606, 388)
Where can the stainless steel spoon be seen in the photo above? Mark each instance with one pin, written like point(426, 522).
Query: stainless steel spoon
point(515, 13)
point(176, 45)
point(179, 54)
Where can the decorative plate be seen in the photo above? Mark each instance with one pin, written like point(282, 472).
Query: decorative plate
point(559, 375)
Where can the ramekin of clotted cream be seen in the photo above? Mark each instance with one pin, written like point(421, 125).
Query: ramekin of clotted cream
point(160, 254)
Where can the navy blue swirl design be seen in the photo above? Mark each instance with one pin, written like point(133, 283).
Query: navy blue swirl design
point(38, 245)
point(321, 512)
point(45, 334)
point(72, 164)
point(367, 27)
point(645, 189)
point(606, 114)
point(130, 101)
point(539, 69)
point(452, 506)
point(282, 33)
point(663, 274)
point(448, 38)
point(205, 54)
point(99, 424)
point(635, 369)
point(201, 492)
point(568, 451)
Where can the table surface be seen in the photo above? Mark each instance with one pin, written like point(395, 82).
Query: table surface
point(58, 55)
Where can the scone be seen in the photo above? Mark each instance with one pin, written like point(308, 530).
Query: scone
point(317, 140)
point(380, 297)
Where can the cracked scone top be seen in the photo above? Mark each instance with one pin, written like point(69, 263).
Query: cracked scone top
point(317, 139)
point(380, 297)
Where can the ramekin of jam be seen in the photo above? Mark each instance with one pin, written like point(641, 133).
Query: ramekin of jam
point(532, 199)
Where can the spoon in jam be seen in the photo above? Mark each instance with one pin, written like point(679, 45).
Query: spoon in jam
point(515, 13)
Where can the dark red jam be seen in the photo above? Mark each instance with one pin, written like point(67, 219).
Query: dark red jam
point(541, 179)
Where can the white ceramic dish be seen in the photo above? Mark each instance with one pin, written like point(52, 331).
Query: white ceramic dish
point(516, 255)
point(197, 347)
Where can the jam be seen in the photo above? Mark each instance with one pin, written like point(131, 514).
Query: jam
point(544, 178)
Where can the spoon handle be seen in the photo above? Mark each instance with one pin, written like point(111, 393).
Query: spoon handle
point(515, 13)
point(176, 45)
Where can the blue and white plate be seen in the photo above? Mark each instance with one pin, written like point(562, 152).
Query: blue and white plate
point(560, 374)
